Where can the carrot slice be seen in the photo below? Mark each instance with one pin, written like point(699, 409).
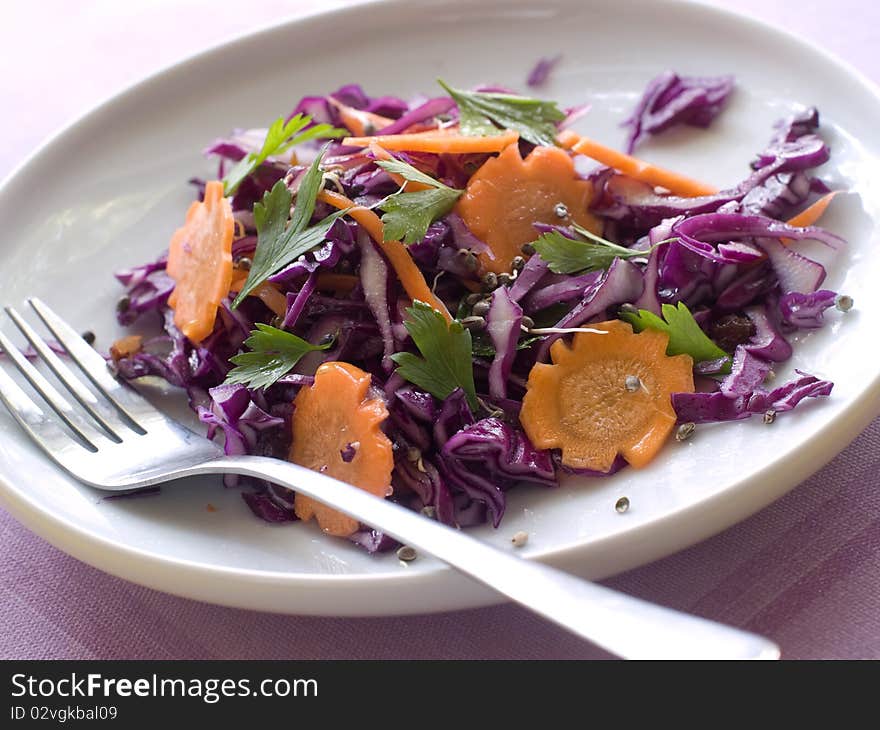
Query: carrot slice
point(337, 431)
point(507, 195)
point(639, 169)
point(342, 283)
point(586, 404)
point(266, 291)
point(272, 298)
point(439, 141)
point(411, 186)
point(357, 121)
point(239, 277)
point(126, 347)
point(411, 278)
point(200, 262)
point(808, 216)
point(567, 139)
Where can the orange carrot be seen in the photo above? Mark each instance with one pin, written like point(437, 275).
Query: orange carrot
point(810, 215)
point(439, 141)
point(343, 283)
point(639, 169)
point(126, 347)
point(239, 277)
point(567, 139)
point(337, 430)
point(200, 262)
point(266, 291)
point(508, 195)
point(411, 186)
point(357, 121)
point(606, 394)
point(411, 278)
point(272, 298)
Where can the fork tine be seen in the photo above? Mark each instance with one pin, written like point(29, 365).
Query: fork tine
point(82, 394)
point(129, 404)
point(44, 431)
point(49, 394)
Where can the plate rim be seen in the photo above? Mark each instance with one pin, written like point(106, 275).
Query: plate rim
point(668, 533)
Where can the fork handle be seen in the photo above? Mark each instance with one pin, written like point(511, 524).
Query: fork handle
point(628, 627)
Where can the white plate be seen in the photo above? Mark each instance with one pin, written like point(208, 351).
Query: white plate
point(108, 191)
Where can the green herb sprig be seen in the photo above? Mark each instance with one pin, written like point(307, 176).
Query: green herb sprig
point(280, 243)
point(566, 255)
point(280, 137)
point(446, 351)
point(685, 335)
point(483, 113)
point(273, 354)
point(408, 215)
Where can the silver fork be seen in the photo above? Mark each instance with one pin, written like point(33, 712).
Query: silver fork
point(118, 441)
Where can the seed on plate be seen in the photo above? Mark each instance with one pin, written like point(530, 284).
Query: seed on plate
point(527, 248)
point(504, 279)
point(244, 263)
point(413, 454)
point(406, 553)
point(844, 303)
point(468, 258)
point(89, 337)
point(123, 304)
point(628, 309)
point(474, 323)
point(621, 505)
point(481, 308)
point(520, 538)
point(327, 339)
point(490, 281)
point(430, 511)
point(474, 298)
point(528, 322)
point(633, 383)
point(769, 416)
point(561, 210)
point(685, 431)
point(518, 263)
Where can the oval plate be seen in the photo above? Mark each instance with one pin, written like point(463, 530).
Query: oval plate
point(108, 191)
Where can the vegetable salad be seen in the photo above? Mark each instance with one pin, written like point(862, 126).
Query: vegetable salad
point(428, 300)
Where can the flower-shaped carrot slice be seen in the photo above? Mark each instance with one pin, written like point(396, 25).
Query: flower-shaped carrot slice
point(337, 431)
point(606, 394)
point(507, 195)
point(200, 262)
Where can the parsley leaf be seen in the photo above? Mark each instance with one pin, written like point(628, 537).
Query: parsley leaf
point(534, 119)
point(566, 255)
point(408, 215)
point(273, 353)
point(280, 137)
point(279, 243)
point(685, 335)
point(446, 355)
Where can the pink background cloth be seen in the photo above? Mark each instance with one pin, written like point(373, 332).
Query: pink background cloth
point(803, 571)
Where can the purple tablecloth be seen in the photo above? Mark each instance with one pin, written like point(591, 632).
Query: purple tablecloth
point(803, 571)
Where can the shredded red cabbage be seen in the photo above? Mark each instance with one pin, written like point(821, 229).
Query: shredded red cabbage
point(671, 99)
